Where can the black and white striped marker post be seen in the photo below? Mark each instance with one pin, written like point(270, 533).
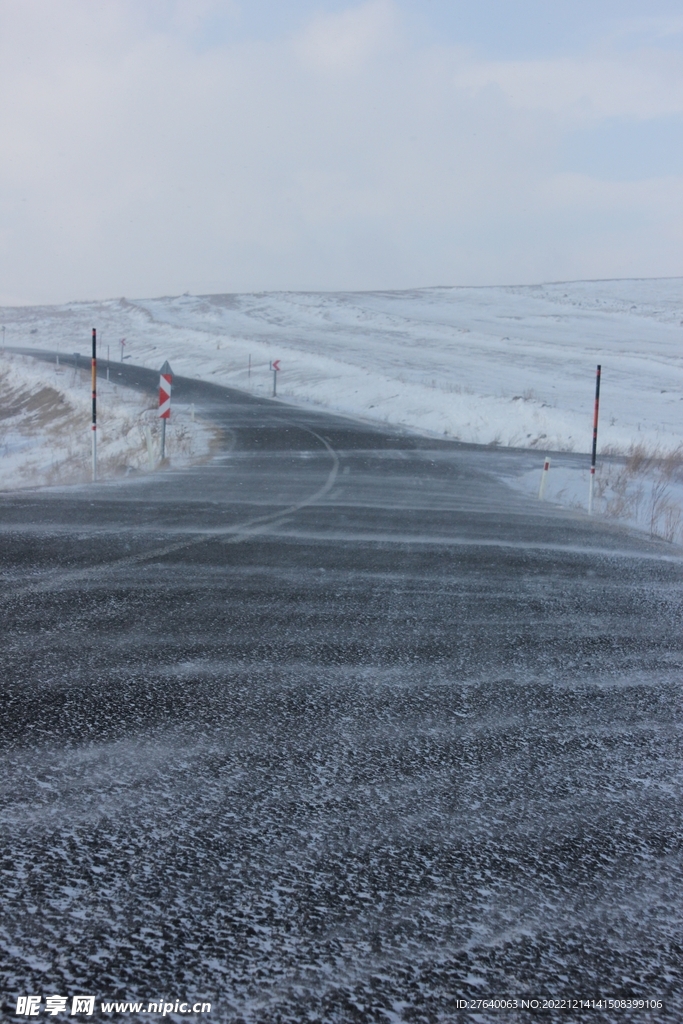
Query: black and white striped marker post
point(595, 440)
point(94, 404)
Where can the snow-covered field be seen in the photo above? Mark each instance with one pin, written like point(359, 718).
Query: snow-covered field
point(508, 366)
point(45, 435)
point(504, 365)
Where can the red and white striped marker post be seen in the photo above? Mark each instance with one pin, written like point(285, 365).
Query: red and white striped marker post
point(165, 381)
point(595, 440)
point(544, 478)
point(275, 367)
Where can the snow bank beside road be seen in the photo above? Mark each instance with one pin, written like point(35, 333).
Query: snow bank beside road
point(641, 491)
point(45, 435)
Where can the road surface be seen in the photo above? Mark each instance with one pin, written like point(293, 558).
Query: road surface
point(337, 727)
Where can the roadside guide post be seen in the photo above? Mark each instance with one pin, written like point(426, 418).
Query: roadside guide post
point(275, 366)
point(595, 440)
point(94, 404)
point(165, 381)
point(122, 344)
point(544, 478)
point(150, 449)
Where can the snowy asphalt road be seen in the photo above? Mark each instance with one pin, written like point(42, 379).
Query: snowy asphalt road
point(337, 728)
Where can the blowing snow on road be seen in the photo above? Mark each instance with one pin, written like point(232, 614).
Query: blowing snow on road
point(336, 726)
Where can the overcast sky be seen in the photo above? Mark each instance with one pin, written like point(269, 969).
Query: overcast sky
point(154, 147)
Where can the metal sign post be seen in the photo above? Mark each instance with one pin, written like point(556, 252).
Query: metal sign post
point(165, 381)
point(595, 440)
point(94, 404)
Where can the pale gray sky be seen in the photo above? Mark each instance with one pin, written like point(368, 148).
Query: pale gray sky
point(154, 147)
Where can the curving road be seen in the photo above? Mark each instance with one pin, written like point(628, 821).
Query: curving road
point(336, 727)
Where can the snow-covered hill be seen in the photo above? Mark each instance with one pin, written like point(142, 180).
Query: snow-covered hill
point(500, 365)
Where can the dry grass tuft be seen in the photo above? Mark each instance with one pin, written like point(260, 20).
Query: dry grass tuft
point(640, 489)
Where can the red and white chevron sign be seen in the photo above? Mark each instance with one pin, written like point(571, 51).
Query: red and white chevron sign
point(165, 391)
